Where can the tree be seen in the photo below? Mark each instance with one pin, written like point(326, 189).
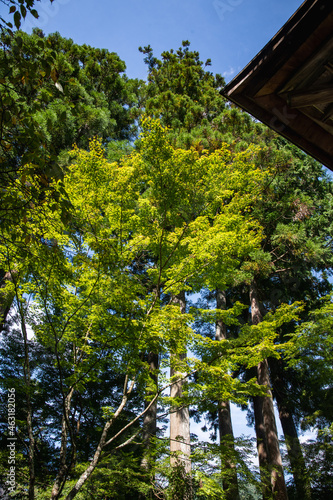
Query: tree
point(19, 11)
point(268, 449)
point(230, 484)
point(294, 247)
point(102, 249)
point(185, 96)
point(93, 308)
point(180, 437)
point(54, 93)
point(310, 352)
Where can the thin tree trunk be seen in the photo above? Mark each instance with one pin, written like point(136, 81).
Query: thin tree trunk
point(230, 481)
point(63, 468)
point(102, 442)
point(295, 455)
point(180, 427)
point(180, 439)
point(277, 482)
point(150, 417)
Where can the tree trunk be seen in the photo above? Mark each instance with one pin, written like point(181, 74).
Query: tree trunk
point(277, 482)
point(261, 447)
point(180, 439)
point(295, 455)
point(63, 467)
point(230, 482)
point(149, 420)
point(103, 441)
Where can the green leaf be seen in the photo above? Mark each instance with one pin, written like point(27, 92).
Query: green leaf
point(54, 75)
point(7, 116)
point(23, 11)
point(17, 19)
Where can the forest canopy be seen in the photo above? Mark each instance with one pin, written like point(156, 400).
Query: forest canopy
point(163, 256)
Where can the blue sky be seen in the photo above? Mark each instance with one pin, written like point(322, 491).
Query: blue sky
point(229, 32)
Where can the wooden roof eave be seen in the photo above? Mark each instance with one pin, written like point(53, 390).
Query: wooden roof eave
point(260, 88)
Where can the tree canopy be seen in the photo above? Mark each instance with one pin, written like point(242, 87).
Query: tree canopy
point(154, 237)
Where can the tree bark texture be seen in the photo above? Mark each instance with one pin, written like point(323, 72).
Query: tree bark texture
point(261, 447)
point(230, 482)
point(268, 424)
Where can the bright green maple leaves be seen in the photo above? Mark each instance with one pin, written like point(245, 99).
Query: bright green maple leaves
point(160, 221)
point(187, 214)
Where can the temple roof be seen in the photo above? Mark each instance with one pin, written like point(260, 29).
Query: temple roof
point(289, 84)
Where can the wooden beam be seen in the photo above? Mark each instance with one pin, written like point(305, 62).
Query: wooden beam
point(304, 33)
point(328, 113)
point(312, 69)
point(292, 124)
point(299, 99)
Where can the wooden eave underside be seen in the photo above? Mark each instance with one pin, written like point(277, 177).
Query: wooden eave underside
point(289, 84)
